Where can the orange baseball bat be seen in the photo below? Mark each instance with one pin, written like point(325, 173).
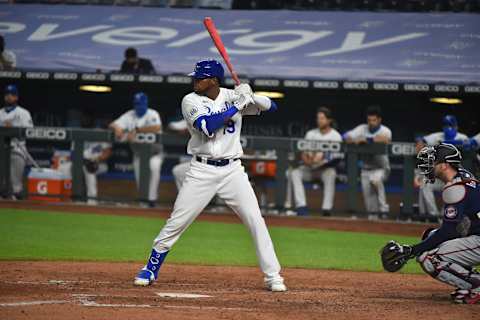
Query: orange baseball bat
point(212, 30)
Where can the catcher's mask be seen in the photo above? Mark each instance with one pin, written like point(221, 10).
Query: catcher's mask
point(428, 157)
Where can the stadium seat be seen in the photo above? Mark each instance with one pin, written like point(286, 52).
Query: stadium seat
point(214, 4)
point(180, 3)
point(127, 2)
point(76, 1)
point(154, 3)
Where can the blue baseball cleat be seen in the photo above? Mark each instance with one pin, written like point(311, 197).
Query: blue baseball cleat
point(149, 273)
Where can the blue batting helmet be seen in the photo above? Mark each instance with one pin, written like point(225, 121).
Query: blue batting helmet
point(140, 103)
point(11, 89)
point(208, 69)
point(450, 121)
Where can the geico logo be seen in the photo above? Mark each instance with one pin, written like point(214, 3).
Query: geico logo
point(42, 187)
point(417, 87)
point(311, 145)
point(403, 149)
point(46, 133)
point(145, 138)
point(447, 88)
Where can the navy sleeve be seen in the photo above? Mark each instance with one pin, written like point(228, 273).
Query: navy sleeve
point(273, 106)
point(452, 215)
point(212, 122)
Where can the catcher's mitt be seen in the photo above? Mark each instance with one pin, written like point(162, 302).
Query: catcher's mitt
point(394, 256)
point(91, 166)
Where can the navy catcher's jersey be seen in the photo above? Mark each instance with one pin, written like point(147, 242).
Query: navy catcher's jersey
point(461, 212)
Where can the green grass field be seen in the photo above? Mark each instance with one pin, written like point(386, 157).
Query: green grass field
point(42, 235)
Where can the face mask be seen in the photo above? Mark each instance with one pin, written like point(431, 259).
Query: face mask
point(449, 133)
point(140, 110)
point(10, 108)
point(373, 130)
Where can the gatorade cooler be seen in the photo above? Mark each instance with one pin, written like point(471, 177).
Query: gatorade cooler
point(266, 169)
point(46, 185)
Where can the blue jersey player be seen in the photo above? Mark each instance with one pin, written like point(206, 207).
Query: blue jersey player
point(450, 252)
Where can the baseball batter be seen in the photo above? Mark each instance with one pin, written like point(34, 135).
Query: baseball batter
point(449, 253)
point(427, 204)
point(317, 165)
point(376, 168)
point(141, 119)
point(214, 116)
point(12, 115)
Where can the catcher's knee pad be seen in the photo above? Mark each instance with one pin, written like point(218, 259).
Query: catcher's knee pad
point(447, 271)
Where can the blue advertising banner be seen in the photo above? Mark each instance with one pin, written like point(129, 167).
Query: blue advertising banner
point(367, 46)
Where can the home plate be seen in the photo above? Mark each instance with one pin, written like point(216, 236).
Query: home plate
point(181, 295)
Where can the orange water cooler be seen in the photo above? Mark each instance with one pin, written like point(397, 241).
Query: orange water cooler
point(48, 185)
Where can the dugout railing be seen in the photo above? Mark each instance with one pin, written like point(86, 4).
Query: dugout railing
point(282, 146)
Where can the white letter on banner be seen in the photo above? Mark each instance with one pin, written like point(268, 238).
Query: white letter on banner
point(251, 41)
point(200, 36)
point(134, 36)
point(11, 27)
point(354, 41)
point(43, 33)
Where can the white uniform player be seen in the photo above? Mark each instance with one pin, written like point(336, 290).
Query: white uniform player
point(427, 204)
point(96, 152)
point(376, 168)
point(317, 165)
point(214, 116)
point(142, 120)
point(12, 115)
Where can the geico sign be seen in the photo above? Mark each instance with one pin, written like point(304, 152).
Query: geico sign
point(403, 149)
point(145, 138)
point(324, 146)
point(46, 133)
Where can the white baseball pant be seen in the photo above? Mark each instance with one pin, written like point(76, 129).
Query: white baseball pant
point(297, 176)
point(230, 183)
point(179, 173)
point(17, 168)
point(91, 182)
point(373, 190)
point(155, 167)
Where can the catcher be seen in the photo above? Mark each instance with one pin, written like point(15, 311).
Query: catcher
point(449, 253)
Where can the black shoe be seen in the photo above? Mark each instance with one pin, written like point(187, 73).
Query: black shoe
point(326, 213)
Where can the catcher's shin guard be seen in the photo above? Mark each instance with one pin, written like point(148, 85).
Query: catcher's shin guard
point(448, 272)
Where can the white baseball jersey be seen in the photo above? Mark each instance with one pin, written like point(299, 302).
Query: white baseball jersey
point(178, 125)
point(93, 150)
point(477, 138)
point(129, 121)
point(332, 135)
point(225, 144)
point(372, 161)
point(438, 137)
point(18, 117)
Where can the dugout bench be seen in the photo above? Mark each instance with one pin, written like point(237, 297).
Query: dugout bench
point(282, 146)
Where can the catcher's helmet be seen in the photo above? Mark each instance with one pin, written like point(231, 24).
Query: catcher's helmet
point(428, 157)
point(208, 69)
